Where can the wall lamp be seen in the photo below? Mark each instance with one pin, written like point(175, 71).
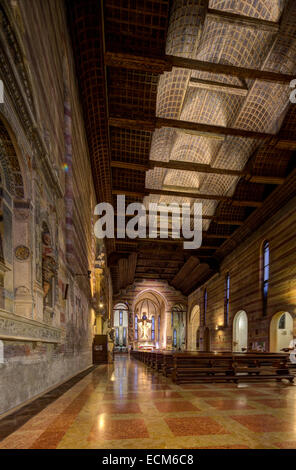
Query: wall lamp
point(219, 327)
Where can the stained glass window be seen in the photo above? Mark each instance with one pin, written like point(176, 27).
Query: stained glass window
point(158, 333)
point(282, 322)
point(175, 338)
point(205, 305)
point(265, 275)
point(136, 327)
point(226, 306)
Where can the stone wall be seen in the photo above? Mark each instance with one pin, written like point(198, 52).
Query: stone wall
point(244, 265)
point(47, 203)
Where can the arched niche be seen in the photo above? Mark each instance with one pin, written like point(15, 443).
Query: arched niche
point(280, 331)
point(240, 332)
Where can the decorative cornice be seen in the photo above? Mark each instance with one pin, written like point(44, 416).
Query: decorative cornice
point(24, 113)
point(17, 54)
point(16, 328)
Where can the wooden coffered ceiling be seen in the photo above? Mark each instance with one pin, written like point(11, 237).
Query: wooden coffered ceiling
point(121, 51)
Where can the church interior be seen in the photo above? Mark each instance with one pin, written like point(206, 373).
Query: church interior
point(142, 342)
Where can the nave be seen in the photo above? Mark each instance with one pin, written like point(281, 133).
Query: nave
point(127, 405)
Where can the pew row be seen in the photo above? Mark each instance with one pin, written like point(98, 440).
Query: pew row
point(191, 367)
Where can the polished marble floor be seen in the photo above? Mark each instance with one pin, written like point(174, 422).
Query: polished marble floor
point(127, 405)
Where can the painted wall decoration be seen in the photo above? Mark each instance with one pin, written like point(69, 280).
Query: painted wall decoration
point(22, 252)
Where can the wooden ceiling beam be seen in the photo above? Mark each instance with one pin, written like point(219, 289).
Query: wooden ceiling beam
point(159, 264)
point(197, 167)
point(153, 276)
point(129, 166)
point(165, 64)
point(215, 219)
point(176, 165)
point(205, 130)
point(142, 269)
point(150, 124)
point(266, 179)
point(212, 85)
point(242, 20)
point(161, 192)
point(204, 235)
point(163, 241)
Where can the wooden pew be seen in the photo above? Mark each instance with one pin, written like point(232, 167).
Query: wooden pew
point(205, 366)
point(262, 366)
point(168, 363)
point(192, 367)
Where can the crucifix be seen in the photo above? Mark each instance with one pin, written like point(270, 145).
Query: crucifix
point(145, 322)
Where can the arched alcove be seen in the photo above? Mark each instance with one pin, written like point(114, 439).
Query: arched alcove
point(281, 331)
point(240, 332)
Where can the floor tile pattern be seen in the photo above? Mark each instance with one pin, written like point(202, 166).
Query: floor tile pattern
point(127, 405)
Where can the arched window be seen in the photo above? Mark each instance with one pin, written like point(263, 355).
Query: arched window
point(120, 317)
point(265, 275)
point(136, 327)
point(153, 328)
point(226, 299)
point(205, 305)
point(282, 322)
point(117, 336)
point(124, 336)
point(175, 338)
point(158, 333)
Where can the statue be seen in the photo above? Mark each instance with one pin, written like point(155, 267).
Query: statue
point(146, 324)
point(49, 265)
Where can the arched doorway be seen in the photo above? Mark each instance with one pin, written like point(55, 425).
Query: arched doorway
point(206, 340)
point(240, 331)
point(281, 331)
point(193, 329)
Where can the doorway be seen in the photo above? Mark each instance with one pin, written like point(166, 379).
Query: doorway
point(240, 331)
